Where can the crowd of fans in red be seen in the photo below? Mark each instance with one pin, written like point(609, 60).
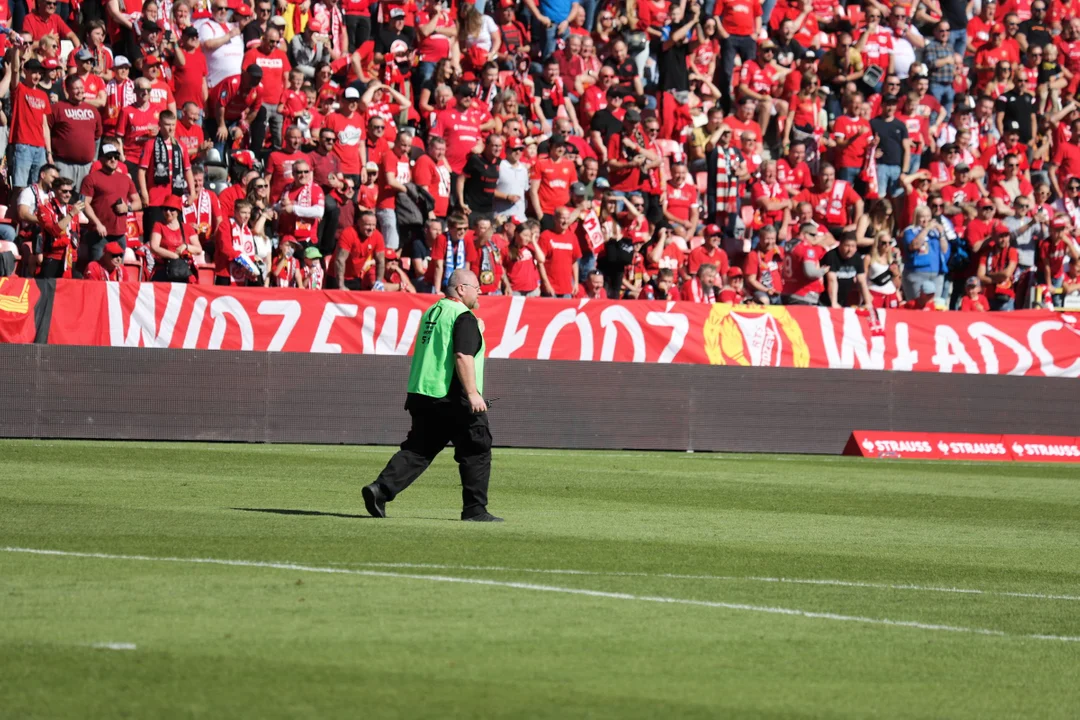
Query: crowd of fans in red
point(892, 153)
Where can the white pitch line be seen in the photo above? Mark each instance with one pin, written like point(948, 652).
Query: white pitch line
point(113, 646)
point(730, 578)
point(554, 589)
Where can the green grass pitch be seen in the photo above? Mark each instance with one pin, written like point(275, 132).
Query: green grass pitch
point(674, 609)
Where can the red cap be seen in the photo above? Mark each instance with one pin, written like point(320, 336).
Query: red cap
point(515, 143)
point(287, 239)
point(997, 28)
point(1061, 221)
point(507, 3)
point(390, 254)
point(734, 272)
point(986, 203)
point(173, 202)
point(113, 248)
point(50, 63)
point(468, 76)
point(1001, 229)
point(711, 230)
point(245, 158)
point(240, 8)
point(151, 61)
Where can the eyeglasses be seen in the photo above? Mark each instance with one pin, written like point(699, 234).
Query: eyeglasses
point(1012, 165)
point(892, 84)
point(350, 188)
point(652, 130)
point(65, 191)
point(329, 140)
point(1023, 206)
point(474, 287)
point(261, 186)
point(378, 127)
point(221, 8)
point(937, 206)
point(303, 172)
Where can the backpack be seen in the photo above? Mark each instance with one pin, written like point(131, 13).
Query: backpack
point(959, 255)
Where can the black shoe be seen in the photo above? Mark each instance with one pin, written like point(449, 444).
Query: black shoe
point(482, 517)
point(374, 500)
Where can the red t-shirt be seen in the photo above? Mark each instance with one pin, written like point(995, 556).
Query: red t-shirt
point(160, 95)
point(158, 193)
point(235, 101)
point(461, 130)
point(362, 251)
point(105, 191)
point(436, 178)
point(302, 228)
point(75, 131)
point(796, 282)
point(766, 267)
point(796, 179)
point(135, 127)
point(737, 16)
point(555, 181)
point(969, 305)
point(681, 199)
point(29, 108)
point(401, 168)
point(173, 238)
point(188, 80)
point(846, 128)
point(959, 194)
point(275, 66)
point(39, 26)
point(625, 180)
point(831, 207)
point(350, 133)
point(522, 273)
point(475, 258)
point(279, 167)
point(190, 137)
point(701, 255)
point(434, 47)
point(1053, 254)
point(561, 251)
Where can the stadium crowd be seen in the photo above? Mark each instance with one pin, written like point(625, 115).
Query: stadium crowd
point(892, 153)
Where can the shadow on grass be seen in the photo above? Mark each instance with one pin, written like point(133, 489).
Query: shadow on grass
point(307, 513)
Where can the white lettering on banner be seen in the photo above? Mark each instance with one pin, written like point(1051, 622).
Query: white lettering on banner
point(969, 448)
point(1045, 450)
point(219, 309)
point(616, 314)
point(569, 316)
point(388, 342)
point(1046, 358)
point(143, 330)
point(331, 312)
point(917, 446)
point(512, 338)
point(198, 310)
point(290, 311)
point(852, 343)
point(985, 332)
point(680, 326)
point(949, 351)
point(906, 358)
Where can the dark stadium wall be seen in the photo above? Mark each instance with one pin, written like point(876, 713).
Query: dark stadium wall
point(153, 394)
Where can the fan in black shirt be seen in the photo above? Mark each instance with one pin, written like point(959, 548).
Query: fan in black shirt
point(846, 279)
point(476, 184)
point(608, 121)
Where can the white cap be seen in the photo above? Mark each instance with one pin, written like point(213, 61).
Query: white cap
point(108, 149)
point(372, 166)
point(121, 61)
point(352, 93)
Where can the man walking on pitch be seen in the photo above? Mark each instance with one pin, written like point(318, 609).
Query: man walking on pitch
point(446, 402)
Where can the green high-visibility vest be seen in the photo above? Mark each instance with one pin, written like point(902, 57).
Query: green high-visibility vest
point(433, 359)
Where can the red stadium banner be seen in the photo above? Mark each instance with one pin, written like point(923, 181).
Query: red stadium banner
point(963, 446)
point(18, 301)
point(1038, 343)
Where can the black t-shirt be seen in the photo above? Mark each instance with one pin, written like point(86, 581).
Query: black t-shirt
point(467, 341)
point(955, 11)
point(253, 32)
point(787, 53)
point(1018, 107)
point(625, 72)
point(674, 73)
point(543, 91)
point(480, 179)
point(892, 134)
point(385, 38)
point(1037, 34)
point(846, 271)
point(605, 123)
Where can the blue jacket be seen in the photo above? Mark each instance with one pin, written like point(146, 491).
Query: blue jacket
point(933, 261)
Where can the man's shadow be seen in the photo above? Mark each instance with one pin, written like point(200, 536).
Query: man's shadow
point(307, 513)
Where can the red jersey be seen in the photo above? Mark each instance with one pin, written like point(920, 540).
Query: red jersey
point(831, 207)
point(436, 178)
point(846, 128)
point(160, 95)
point(350, 133)
point(402, 169)
point(30, 106)
point(275, 66)
point(957, 195)
point(158, 193)
point(796, 179)
point(135, 128)
point(681, 199)
point(303, 222)
point(236, 102)
point(38, 26)
point(555, 180)
point(796, 281)
point(702, 255)
point(766, 267)
point(279, 166)
point(188, 80)
point(190, 137)
point(1053, 254)
point(362, 251)
point(561, 251)
point(461, 130)
point(967, 304)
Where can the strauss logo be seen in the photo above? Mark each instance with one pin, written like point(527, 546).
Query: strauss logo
point(753, 336)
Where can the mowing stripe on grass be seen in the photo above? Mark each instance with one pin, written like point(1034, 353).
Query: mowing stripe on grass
point(745, 578)
point(551, 589)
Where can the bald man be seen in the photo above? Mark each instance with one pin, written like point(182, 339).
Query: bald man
point(446, 402)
